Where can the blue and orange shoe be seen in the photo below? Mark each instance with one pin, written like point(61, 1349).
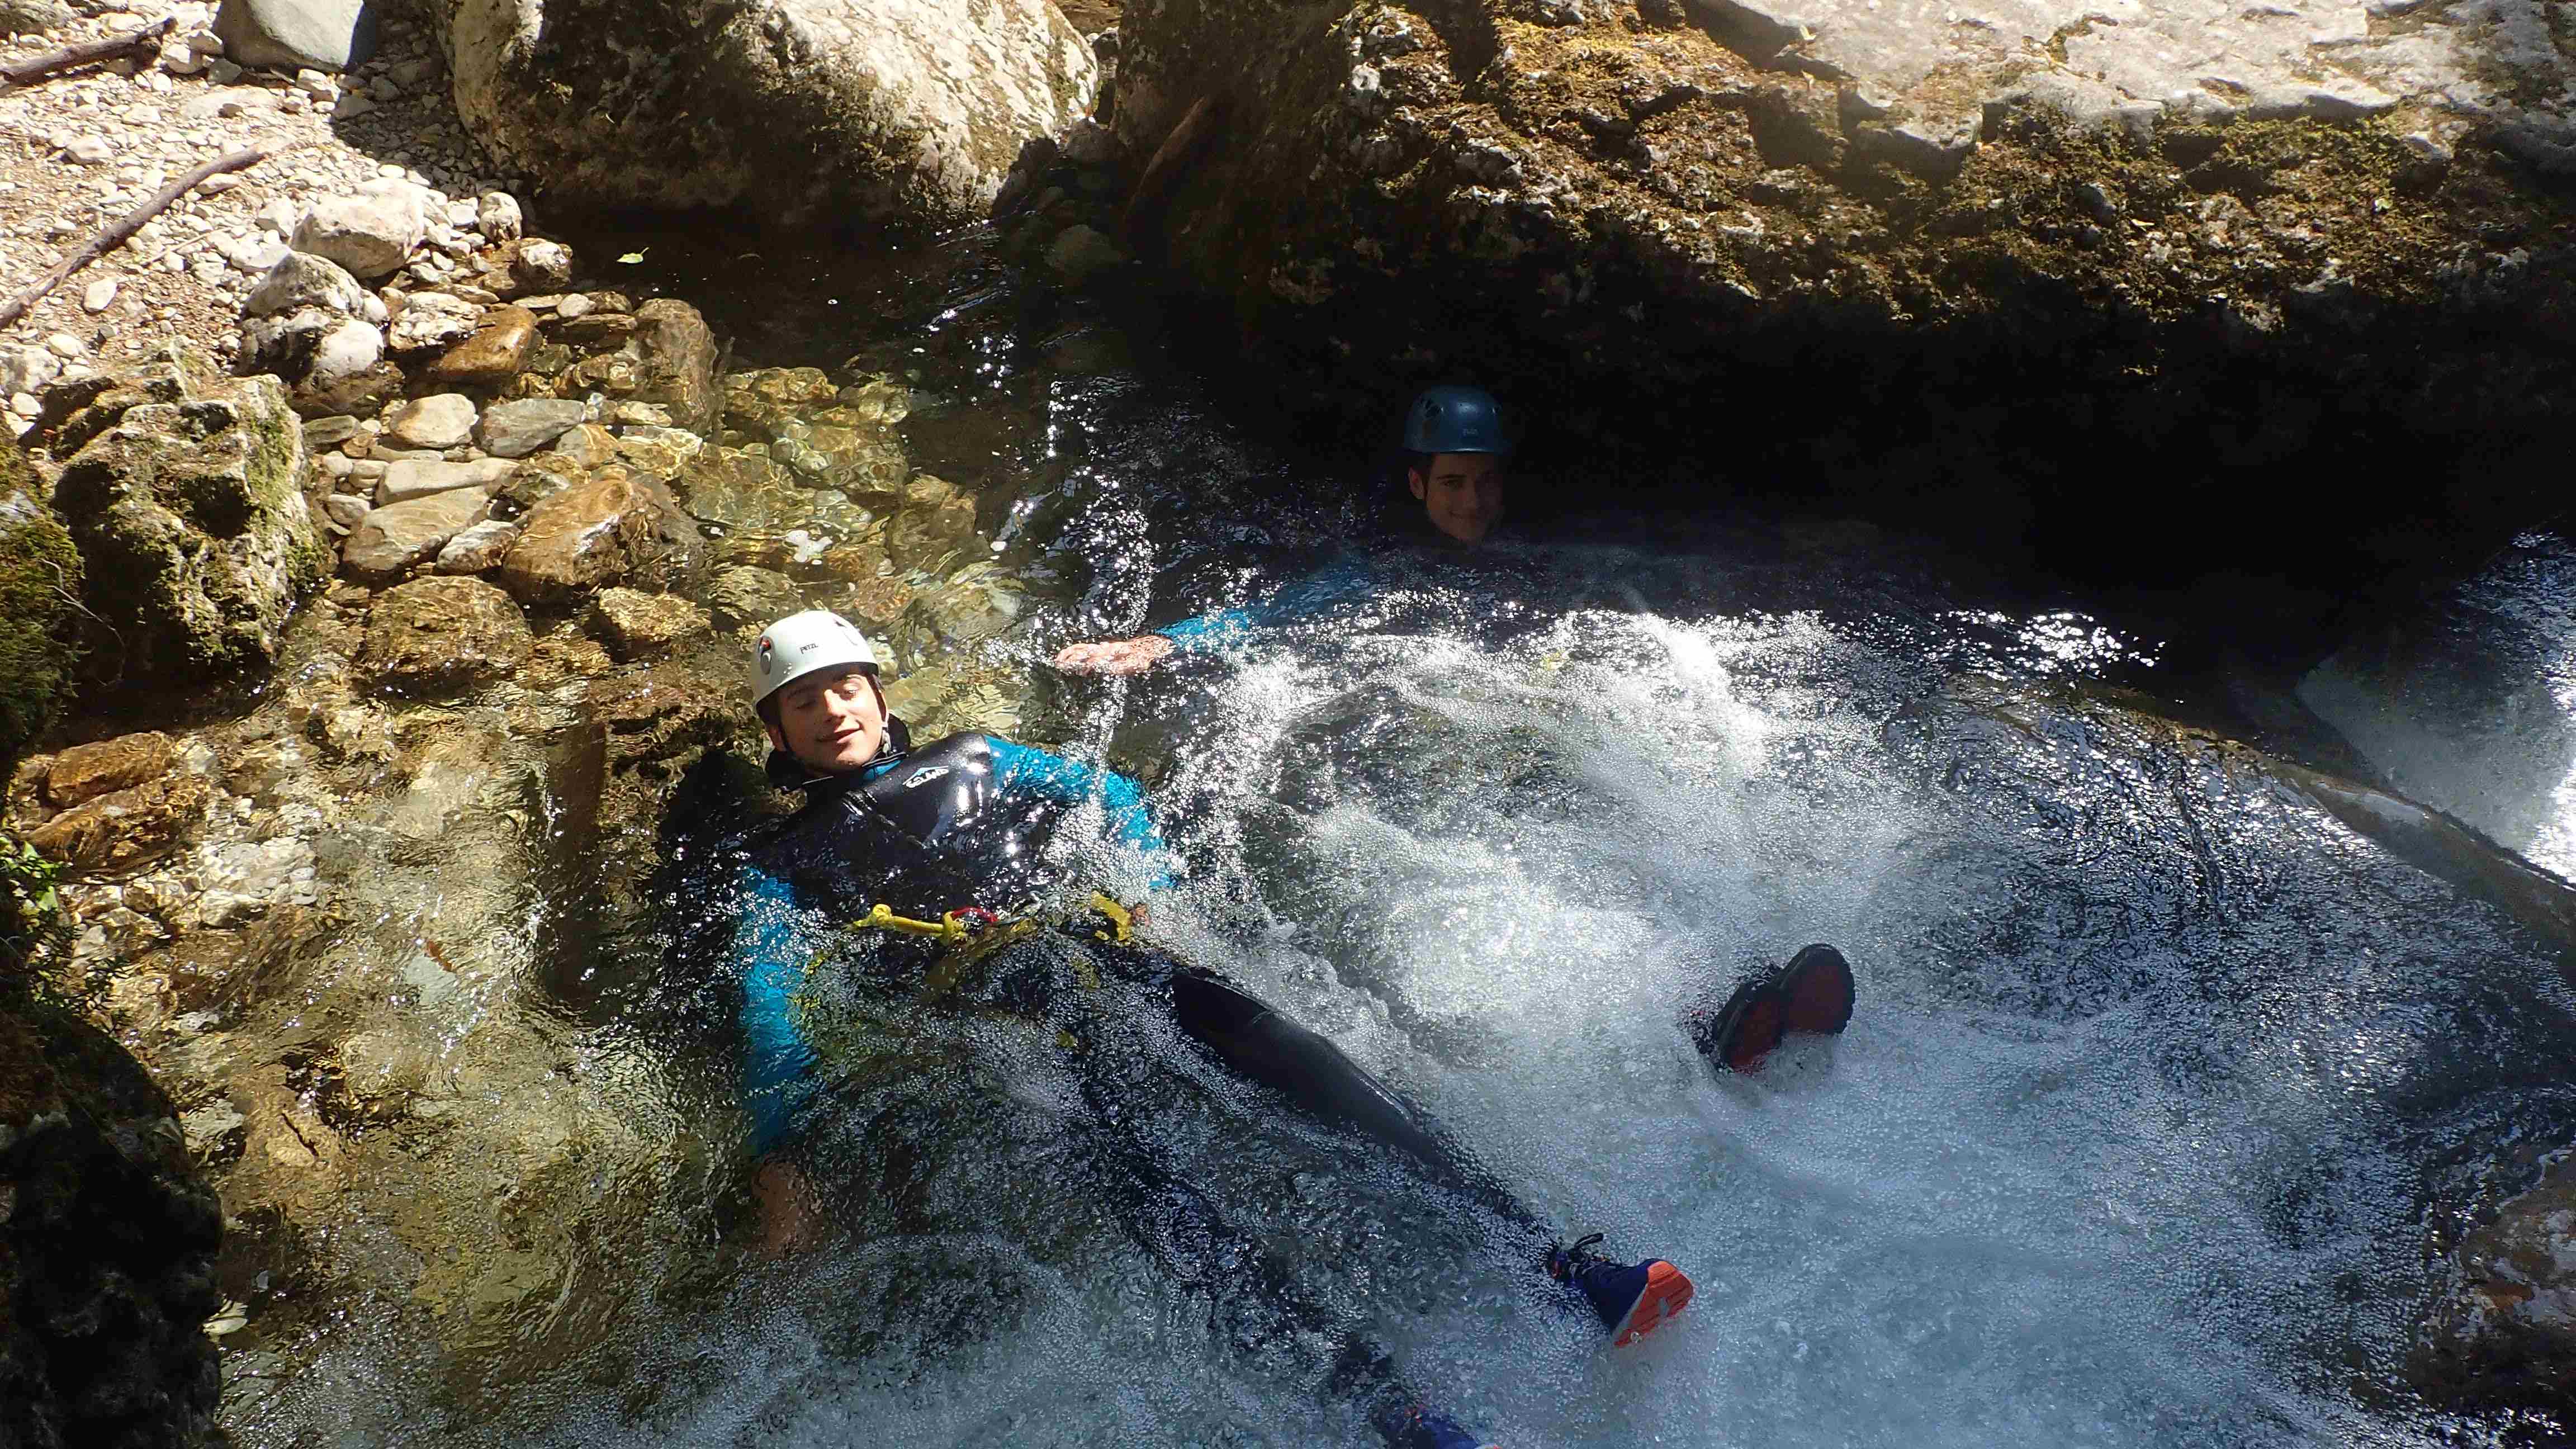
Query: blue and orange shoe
point(1811, 992)
point(1633, 1299)
point(1417, 1427)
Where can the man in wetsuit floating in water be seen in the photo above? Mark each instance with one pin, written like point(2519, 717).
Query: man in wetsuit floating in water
point(894, 837)
point(1455, 445)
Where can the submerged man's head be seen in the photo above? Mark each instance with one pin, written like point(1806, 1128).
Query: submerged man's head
point(1456, 437)
point(814, 683)
point(1461, 493)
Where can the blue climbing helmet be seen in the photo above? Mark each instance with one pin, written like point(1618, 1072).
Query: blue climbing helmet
point(1452, 419)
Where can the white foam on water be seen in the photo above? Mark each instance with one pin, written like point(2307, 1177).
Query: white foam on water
point(2126, 1145)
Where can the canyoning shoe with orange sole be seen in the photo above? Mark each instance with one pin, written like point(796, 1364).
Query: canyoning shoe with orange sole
point(1812, 992)
point(1633, 1299)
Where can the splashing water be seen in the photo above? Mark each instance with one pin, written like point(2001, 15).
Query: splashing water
point(2160, 1081)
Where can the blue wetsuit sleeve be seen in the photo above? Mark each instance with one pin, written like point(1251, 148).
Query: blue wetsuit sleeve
point(1023, 767)
point(778, 1070)
point(1347, 578)
point(1209, 631)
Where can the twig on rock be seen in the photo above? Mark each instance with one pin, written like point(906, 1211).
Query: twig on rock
point(18, 73)
point(116, 236)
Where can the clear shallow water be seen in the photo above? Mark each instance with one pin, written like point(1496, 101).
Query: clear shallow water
point(2160, 1082)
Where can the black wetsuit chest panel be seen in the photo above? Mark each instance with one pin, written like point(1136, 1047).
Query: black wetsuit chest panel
point(935, 790)
point(934, 832)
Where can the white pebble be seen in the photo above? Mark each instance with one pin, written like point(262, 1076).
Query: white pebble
point(100, 296)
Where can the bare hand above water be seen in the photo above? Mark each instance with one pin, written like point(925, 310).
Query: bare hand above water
point(1113, 656)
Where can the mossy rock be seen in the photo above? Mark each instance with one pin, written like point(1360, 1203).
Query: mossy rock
point(40, 585)
point(191, 519)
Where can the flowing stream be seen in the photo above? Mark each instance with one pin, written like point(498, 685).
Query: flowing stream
point(2163, 1087)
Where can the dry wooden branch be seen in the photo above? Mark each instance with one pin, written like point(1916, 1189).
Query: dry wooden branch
point(18, 73)
point(115, 236)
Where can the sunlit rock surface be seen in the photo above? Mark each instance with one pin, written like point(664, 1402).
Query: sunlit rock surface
point(1894, 164)
point(814, 109)
point(184, 491)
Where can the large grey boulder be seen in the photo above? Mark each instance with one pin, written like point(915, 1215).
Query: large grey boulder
point(905, 108)
point(190, 516)
point(293, 34)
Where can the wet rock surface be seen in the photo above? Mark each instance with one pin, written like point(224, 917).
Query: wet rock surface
point(390, 540)
point(85, 771)
point(606, 530)
point(2504, 1331)
point(438, 635)
point(107, 1251)
point(640, 626)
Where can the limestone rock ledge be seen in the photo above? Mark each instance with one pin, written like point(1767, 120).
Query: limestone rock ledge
point(1620, 169)
point(1842, 265)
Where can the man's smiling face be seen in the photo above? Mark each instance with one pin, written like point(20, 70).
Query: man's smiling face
point(832, 722)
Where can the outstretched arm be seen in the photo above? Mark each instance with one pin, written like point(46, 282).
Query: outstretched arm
point(1023, 767)
point(1345, 579)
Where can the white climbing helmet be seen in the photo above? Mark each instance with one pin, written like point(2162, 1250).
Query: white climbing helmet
point(803, 644)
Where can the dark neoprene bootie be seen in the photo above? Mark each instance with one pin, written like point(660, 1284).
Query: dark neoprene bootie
point(1813, 992)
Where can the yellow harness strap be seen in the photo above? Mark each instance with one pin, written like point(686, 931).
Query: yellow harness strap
point(1122, 921)
point(947, 928)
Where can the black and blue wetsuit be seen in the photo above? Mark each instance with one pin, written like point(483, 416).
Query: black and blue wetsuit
point(962, 822)
point(967, 821)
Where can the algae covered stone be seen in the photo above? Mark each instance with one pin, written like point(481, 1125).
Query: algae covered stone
point(40, 587)
point(192, 526)
point(600, 531)
point(636, 625)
